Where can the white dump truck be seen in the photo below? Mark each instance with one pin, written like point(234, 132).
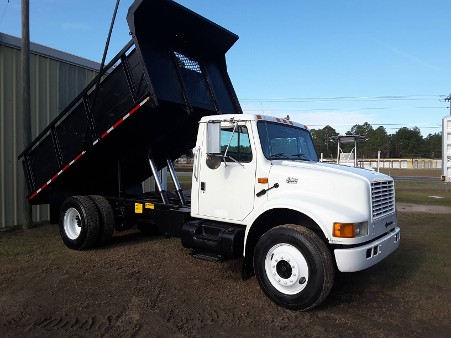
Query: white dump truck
point(258, 191)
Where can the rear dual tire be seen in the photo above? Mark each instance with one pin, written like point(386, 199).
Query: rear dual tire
point(86, 222)
point(106, 219)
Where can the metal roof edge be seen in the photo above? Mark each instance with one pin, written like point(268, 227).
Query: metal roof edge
point(35, 48)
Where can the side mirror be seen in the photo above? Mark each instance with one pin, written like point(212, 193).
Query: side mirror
point(214, 138)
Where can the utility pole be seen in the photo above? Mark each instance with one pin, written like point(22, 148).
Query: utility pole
point(448, 98)
point(26, 106)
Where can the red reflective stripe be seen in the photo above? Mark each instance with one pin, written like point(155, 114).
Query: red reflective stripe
point(80, 155)
point(118, 123)
point(134, 109)
point(67, 166)
point(124, 117)
point(95, 142)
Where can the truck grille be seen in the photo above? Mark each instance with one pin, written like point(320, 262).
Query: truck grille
point(383, 198)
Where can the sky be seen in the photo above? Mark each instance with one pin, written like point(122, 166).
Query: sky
point(322, 62)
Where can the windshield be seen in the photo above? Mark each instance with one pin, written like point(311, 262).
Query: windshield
point(285, 142)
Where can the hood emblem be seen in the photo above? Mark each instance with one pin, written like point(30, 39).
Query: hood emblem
point(292, 180)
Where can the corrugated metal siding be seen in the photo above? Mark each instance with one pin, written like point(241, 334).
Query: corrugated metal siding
point(54, 84)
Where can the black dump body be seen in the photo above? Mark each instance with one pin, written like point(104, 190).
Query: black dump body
point(147, 105)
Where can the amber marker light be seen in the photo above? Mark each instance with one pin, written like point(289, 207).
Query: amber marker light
point(344, 230)
point(350, 230)
point(263, 180)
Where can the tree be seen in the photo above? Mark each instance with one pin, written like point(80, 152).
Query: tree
point(406, 143)
point(323, 144)
point(361, 129)
point(378, 140)
point(432, 146)
point(364, 130)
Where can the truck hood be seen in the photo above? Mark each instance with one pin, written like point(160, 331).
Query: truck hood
point(337, 169)
point(332, 192)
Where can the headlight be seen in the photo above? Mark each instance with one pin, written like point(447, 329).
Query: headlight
point(350, 230)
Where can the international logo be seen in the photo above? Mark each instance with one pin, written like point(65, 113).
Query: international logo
point(292, 180)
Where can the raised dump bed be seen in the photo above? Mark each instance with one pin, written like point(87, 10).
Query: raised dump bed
point(147, 105)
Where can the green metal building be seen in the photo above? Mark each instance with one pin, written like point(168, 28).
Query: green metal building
point(56, 79)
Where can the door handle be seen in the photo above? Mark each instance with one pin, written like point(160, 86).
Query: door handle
point(196, 160)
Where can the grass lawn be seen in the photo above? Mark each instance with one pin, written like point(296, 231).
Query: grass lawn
point(185, 182)
point(423, 192)
point(412, 172)
point(418, 274)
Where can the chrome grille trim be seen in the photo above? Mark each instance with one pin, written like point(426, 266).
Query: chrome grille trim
point(382, 199)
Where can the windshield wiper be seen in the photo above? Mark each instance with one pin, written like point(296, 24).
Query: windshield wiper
point(278, 155)
point(301, 156)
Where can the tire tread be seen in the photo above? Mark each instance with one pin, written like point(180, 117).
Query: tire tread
point(106, 219)
point(317, 248)
point(88, 212)
point(329, 267)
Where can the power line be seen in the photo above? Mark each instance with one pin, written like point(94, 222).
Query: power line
point(340, 109)
point(349, 98)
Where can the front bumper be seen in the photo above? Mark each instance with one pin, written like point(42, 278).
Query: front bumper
point(362, 257)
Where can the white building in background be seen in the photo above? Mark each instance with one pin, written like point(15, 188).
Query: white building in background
point(446, 151)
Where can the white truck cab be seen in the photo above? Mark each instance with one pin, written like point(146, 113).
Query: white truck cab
point(301, 217)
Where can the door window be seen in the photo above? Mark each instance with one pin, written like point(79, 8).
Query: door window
point(235, 141)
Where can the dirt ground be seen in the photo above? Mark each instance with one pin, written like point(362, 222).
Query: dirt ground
point(151, 287)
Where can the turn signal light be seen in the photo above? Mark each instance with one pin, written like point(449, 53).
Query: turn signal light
point(350, 230)
point(344, 230)
point(263, 180)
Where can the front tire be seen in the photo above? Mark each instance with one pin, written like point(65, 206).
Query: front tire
point(79, 223)
point(294, 267)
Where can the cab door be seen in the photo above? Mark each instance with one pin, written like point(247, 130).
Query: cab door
point(228, 192)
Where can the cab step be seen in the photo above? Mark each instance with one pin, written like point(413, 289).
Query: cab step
point(206, 257)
